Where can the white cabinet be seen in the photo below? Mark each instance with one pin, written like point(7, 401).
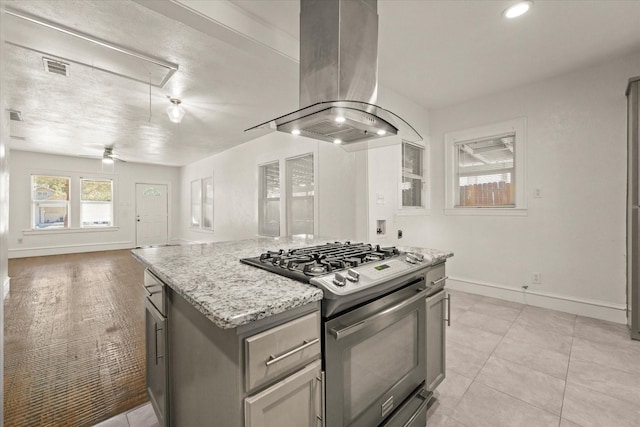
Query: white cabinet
point(294, 401)
point(436, 338)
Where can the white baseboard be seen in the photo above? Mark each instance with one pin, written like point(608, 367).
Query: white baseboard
point(580, 306)
point(68, 249)
point(5, 287)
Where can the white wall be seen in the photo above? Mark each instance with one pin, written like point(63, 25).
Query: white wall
point(574, 235)
point(4, 205)
point(125, 176)
point(235, 176)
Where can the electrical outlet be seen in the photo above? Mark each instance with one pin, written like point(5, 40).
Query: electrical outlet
point(19, 239)
point(537, 193)
point(536, 278)
point(399, 234)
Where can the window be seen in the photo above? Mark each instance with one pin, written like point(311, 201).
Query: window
point(269, 202)
point(207, 202)
point(413, 180)
point(202, 203)
point(485, 169)
point(96, 202)
point(300, 195)
point(196, 203)
point(50, 201)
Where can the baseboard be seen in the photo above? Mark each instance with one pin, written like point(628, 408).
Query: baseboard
point(583, 307)
point(68, 249)
point(5, 287)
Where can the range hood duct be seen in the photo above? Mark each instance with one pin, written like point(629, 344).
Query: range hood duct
point(339, 78)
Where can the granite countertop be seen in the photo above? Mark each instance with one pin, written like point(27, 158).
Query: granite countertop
point(229, 293)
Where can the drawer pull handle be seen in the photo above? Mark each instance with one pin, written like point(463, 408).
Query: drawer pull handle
point(437, 282)
point(306, 343)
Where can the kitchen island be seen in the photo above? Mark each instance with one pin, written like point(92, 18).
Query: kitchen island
point(219, 313)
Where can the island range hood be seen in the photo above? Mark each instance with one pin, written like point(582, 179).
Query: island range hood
point(339, 78)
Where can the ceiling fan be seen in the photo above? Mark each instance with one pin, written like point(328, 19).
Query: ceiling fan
point(109, 158)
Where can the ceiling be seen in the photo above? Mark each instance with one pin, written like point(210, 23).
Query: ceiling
point(237, 65)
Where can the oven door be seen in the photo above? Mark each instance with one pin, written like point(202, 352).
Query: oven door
point(375, 357)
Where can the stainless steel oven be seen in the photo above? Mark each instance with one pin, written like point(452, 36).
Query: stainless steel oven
point(375, 360)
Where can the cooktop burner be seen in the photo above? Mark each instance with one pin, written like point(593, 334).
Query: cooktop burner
point(305, 263)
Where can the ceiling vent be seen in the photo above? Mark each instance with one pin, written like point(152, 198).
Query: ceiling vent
point(56, 67)
point(18, 138)
point(15, 115)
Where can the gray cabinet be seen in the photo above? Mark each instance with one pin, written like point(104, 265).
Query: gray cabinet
point(156, 349)
point(294, 401)
point(436, 339)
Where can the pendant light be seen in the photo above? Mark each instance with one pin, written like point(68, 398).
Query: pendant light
point(175, 111)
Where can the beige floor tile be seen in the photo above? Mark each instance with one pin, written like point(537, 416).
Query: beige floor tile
point(504, 302)
point(541, 359)
point(601, 331)
point(604, 379)
point(497, 311)
point(450, 391)
point(477, 339)
point(482, 406)
point(437, 418)
point(625, 356)
point(464, 360)
point(531, 386)
point(484, 322)
point(117, 421)
point(462, 300)
point(566, 423)
point(589, 408)
point(547, 320)
point(540, 338)
point(143, 416)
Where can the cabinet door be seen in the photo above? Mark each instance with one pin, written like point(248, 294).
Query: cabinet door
point(295, 401)
point(436, 336)
point(156, 339)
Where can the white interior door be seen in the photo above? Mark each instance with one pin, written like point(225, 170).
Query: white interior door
point(151, 214)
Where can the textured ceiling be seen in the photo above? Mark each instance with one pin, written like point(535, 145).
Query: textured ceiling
point(437, 53)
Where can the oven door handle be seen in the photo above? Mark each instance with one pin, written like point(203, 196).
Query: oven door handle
point(339, 333)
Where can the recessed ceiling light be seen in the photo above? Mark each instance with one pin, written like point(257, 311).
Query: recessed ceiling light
point(381, 132)
point(337, 141)
point(295, 132)
point(517, 9)
point(340, 119)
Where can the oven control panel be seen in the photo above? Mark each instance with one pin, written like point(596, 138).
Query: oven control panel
point(369, 275)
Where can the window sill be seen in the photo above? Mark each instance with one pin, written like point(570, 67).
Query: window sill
point(487, 211)
point(32, 232)
point(413, 212)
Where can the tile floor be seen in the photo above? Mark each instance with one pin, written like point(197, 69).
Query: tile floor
point(511, 365)
point(514, 365)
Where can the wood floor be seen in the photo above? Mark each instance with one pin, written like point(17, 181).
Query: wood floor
point(74, 339)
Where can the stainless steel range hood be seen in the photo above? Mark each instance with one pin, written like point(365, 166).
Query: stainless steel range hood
point(339, 78)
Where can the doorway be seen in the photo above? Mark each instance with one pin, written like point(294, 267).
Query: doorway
point(151, 214)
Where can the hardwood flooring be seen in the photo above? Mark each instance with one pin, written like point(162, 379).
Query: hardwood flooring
point(74, 339)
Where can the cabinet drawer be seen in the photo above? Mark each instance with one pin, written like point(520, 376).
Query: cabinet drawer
point(280, 350)
point(435, 275)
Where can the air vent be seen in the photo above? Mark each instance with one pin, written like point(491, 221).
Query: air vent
point(55, 66)
point(18, 138)
point(15, 115)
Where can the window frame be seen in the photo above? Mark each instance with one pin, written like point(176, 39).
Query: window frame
point(262, 199)
point(62, 203)
point(82, 202)
point(201, 202)
point(451, 142)
point(288, 194)
point(426, 182)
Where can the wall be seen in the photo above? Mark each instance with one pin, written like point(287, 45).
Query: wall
point(235, 176)
point(125, 175)
point(574, 235)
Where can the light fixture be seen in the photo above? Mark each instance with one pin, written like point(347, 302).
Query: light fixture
point(340, 119)
point(175, 111)
point(107, 160)
point(337, 141)
point(517, 9)
point(107, 156)
point(381, 132)
point(295, 132)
